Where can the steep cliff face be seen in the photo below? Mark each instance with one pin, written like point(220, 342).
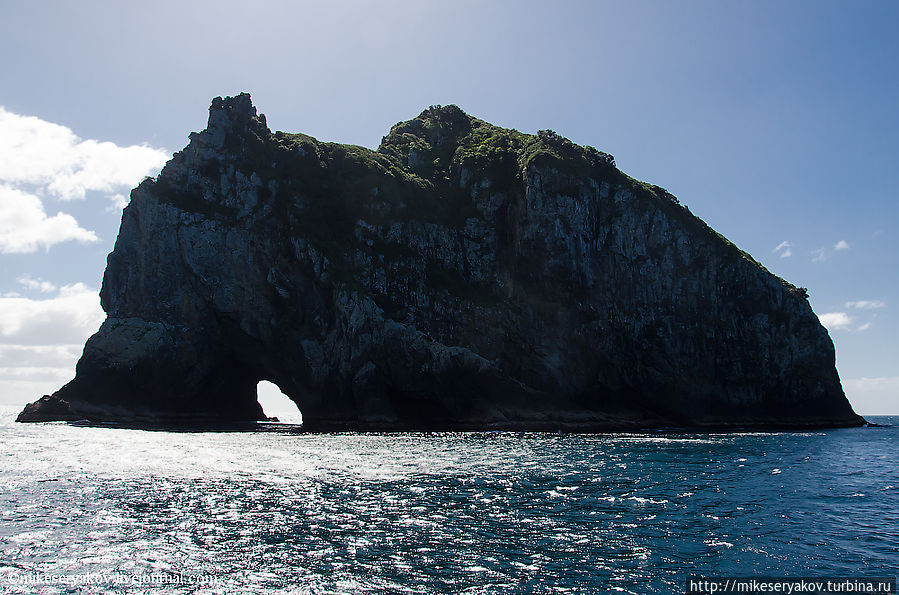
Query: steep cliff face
point(461, 276)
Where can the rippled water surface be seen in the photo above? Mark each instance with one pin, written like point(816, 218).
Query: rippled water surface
point(282, 511)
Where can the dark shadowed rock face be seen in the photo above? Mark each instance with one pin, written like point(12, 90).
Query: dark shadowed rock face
point(462, 276)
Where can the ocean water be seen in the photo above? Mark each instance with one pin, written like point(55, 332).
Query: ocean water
point(104, 509)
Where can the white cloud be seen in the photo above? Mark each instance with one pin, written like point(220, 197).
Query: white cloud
point(68, 318)
point(41, 339)
point(117, 202)
point(873, 396)
point(36, 152)
point(784, 249)
point(865, 326)
point(36, 284)
point(835, 321)
point(37, 357)
point(866, 304)
point(40, 159)
point(25, 226)
point(822, 253)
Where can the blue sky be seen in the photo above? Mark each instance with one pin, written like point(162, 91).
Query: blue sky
point(776, 122)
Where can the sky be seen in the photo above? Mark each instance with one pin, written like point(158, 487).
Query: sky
point(774, 121)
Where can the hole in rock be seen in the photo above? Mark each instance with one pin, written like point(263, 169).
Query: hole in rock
point(276, 404)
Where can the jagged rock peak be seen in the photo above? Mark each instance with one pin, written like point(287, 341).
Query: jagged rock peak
point(234, 113)
point(238, 105)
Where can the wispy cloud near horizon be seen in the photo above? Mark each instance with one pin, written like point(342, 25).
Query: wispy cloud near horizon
point(866, 304)
point(36, 284)
point(41, 339)
point(873, 395)
point(842, 321)
point(783, 249)
point(821, 254)
point(68, 317)
point(835, 321)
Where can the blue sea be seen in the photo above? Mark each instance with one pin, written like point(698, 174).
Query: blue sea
point(274, 510)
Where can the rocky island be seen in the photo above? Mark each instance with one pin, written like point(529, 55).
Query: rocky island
point(460, 277)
